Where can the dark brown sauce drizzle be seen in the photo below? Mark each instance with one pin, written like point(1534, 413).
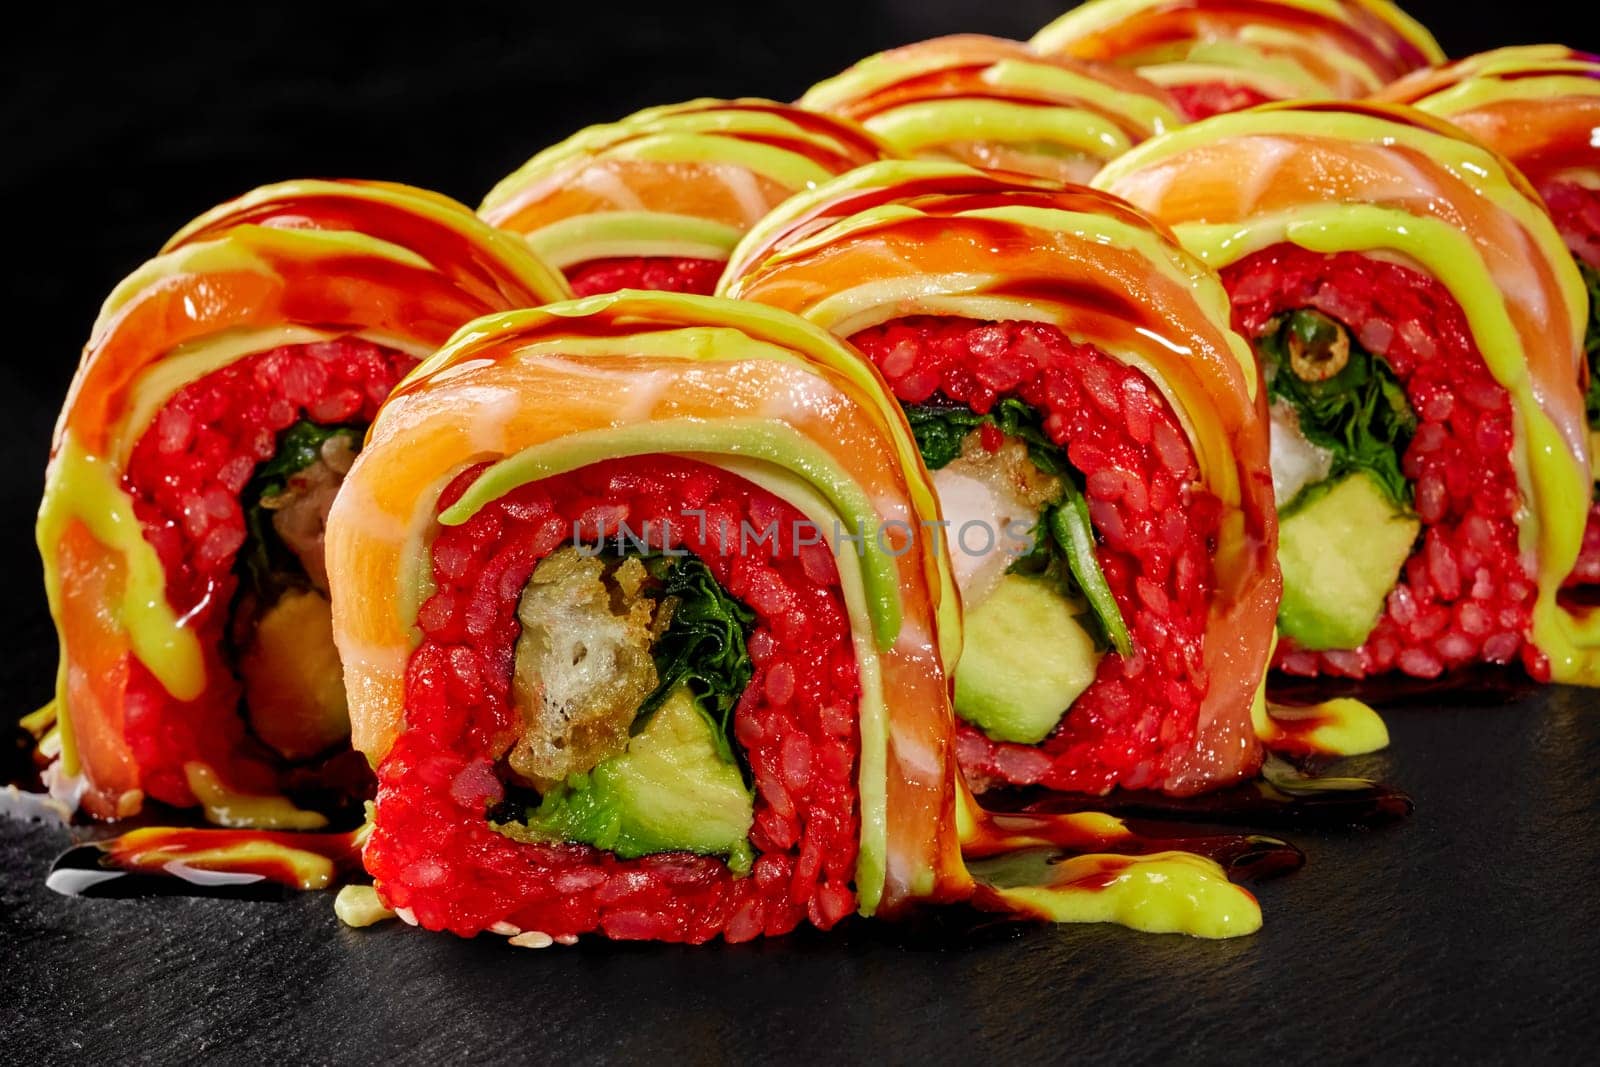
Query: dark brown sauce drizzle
point(147, 855)
point(1034, 826)
point(1283, 798)
point(138, 863)
point(152, 862)
point(88, 871)
point(151, 858)
point(1485, 685)
point(1246, 857)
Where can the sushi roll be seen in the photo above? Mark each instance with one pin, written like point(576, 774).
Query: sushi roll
point(223, 393)
point(998, 105)
point(1099, 447)
point(1223, 55)
point(1539, 106)
point(1420, 324)
point(643, 639)
point(659, 199)
point(667, 716)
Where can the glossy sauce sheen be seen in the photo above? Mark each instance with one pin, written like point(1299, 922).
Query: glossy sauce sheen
point(304, 258)
point(184, 861)
point(241, 862)
point(1307, 805)
point(1078, 836)
point(1243, 855)
point(1342, 49)
point(1477, 686)
point(258, 865)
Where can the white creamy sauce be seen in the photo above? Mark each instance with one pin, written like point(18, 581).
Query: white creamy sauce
point(67, 789)
point(1296, 462)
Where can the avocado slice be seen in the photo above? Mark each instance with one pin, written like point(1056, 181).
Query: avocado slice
point(672, 790)
point(1341, 551)
point(1026, 659)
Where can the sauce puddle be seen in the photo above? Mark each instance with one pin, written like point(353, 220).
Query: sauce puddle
point(1479, 686)
point(182, 861)
point(151, 859)
point(1185, 885)
point(1088, 830)
point(1282, 798)
point(1143, 860)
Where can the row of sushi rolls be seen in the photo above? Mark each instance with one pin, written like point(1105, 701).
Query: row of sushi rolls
point(761, 514)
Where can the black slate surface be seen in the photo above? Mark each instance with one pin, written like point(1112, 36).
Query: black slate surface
point(1467, 933)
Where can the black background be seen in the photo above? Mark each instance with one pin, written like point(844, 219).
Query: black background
point(1469, 933)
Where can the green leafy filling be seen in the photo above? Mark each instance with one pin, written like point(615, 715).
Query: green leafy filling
point(704, 645)
point(266, 566)
point(940, 429)
point(1063, 539)
point(1360, 414)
